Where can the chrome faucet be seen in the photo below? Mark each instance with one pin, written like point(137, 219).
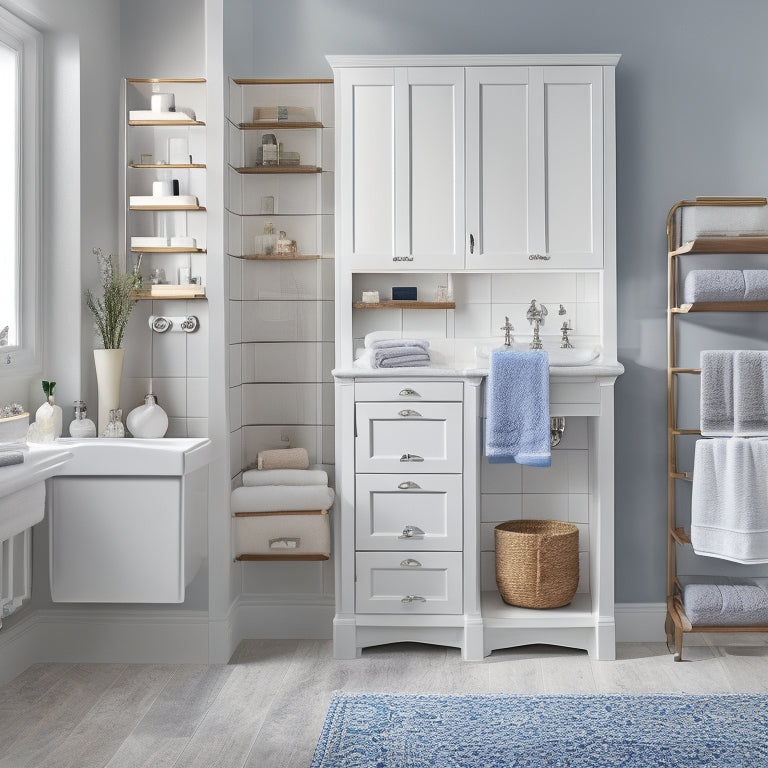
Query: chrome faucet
point(507, 328)
point(535, 316)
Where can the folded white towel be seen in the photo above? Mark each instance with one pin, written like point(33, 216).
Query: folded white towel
point(734, 393)
point(281, 498)
point(390, 343)
point(259, 477)
point(374, 336)
point(729, 514)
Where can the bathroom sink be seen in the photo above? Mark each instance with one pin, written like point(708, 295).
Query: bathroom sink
point(571, 357)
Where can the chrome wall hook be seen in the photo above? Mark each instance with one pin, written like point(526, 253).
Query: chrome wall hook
point(556, 430)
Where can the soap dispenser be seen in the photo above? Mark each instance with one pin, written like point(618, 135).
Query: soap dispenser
point(81, 425)
point(148, 420)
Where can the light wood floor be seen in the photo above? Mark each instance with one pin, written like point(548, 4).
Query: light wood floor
point(265, 708)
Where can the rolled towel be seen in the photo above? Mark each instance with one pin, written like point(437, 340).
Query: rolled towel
point(756, 285)
point(9, 458)
point(259, 477)
point(281, 498)
point(716, 398)
point(715, 605)
point(283, 458)
point(713, 285)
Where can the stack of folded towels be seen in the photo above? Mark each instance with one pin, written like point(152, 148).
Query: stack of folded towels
point(283, 505)
point(384, 350)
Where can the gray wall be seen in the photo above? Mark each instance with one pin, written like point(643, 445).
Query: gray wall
point(691, 120)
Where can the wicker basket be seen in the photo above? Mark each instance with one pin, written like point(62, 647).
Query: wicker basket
point(537, 562)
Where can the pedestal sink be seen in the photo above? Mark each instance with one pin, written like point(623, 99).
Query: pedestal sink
point(570, 357)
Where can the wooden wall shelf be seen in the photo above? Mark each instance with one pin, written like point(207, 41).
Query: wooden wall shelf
point(278, 257)
point(724, 245)
point(279, 169)
point(168, 249)
point(278, 125)
point(405, 305)
point(157, 292)
point(161, 123)
point(161, 166)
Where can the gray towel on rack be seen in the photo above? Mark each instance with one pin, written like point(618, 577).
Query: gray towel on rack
point(750, 393)
point(729, 499)
point(716, 401)
point(717, 605)
point(713, 285)
point(756, 285)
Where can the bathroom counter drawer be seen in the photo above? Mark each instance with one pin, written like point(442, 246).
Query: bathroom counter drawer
point(424, 438)
point(407, 512)
point(409, 582)
point(413, 391)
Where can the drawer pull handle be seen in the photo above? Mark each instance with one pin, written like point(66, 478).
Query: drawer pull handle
point(412, 532)
point(408, 485)
point(411, 457)
point(406, 412)
point(409, 393)
point(414, 599)
point(410, 563)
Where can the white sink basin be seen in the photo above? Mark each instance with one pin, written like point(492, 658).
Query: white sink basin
point(22, 487)
point(570, 357)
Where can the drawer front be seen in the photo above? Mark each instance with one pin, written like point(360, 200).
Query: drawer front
point(408, 512)
point(423, 438)
point(409, 391)
point(408, 582)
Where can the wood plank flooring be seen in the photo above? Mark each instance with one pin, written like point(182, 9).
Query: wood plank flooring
point(265, 708)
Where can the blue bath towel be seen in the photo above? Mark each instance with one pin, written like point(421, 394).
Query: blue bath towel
point(517, 425)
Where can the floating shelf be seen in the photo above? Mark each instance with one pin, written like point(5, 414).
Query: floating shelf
point(160, 166)
point(733, 244)
point(721, 306)
point(279, 169)
point(279, 125)
point(160, 123)
point(165, 80)
point(280, 80)
point(306, 558)
point(278, 257)
point(156, 292)
point(168, 249)
point(167, 208)
point(405, 305)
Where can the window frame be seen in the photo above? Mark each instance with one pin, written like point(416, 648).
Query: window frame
point(26, 357)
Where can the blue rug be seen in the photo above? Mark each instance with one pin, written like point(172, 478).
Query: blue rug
point(502, 731)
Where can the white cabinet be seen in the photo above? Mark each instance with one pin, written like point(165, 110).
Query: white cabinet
point(403, 145)
point(534, 187)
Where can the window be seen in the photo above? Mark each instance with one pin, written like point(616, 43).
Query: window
point(20, 328)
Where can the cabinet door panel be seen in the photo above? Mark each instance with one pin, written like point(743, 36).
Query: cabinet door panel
point(574, 150)
point(430, 212)
point(498, 166)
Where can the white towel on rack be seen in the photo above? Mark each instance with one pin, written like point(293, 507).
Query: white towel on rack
point(281, 498)
point(257, 477)
point(729, 502)
point(734, 393)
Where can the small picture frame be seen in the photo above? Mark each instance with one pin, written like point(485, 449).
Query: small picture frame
point(147, 159)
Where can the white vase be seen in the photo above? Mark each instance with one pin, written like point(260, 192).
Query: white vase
point(148, 420)
point(109, 371)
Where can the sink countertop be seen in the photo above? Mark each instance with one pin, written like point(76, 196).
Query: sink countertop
point(41, 461)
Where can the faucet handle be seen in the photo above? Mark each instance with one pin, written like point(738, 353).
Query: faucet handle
point(507, 328)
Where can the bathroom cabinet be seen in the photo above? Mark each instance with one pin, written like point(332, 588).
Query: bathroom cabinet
point(493, 175)
point(473, 166)
point(169, 235)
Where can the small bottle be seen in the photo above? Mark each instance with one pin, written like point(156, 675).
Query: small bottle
point(81, 425)
point(148, 420)
point(115, 427)
point(270, 150)
point(269, 239)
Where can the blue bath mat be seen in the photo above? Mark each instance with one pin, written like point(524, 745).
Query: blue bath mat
point(502, 731)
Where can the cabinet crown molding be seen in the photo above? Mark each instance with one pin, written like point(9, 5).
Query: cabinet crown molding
point(478, 60)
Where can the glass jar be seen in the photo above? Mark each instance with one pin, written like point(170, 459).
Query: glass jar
point(115, 427)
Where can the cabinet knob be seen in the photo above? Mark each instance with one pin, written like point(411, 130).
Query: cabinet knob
point(412, 532)
point(411, 457)
point(414, 599)
point(406, 412)
point(407, 485)
point(409, 393)
point(410, 563)
point(538, 257)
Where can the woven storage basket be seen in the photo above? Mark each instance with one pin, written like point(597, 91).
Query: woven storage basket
point(537, 562)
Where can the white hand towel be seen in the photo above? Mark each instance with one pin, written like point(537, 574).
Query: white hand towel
point(281, 498)
point(258, 477)
point(716, 402)
point(729, 513)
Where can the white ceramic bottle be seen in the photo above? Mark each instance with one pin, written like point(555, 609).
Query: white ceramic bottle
point(81, 425)
point(148, 420)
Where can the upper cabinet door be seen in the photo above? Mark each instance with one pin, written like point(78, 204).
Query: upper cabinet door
point(534, 167)
point(401, 189)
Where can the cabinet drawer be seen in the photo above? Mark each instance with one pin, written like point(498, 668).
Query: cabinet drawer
point(407, 512)
point(430, 582)
point(424, 439)
point(413, 391)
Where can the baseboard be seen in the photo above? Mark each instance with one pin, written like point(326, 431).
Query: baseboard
point(640, 622)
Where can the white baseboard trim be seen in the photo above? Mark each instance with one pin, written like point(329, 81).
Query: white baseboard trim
point(640, 622)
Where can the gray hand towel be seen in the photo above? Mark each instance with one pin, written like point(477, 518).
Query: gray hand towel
point(713, 285)
point(756, 285)
point(750, 393)
point(717, 605)
point(716, 406)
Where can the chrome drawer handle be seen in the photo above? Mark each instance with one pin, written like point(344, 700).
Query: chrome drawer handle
point(411, 457)
point(414, 599)
point(405, 413)
point(410, 563)
point(408, 485)
point(409, 393)
point(538, 257)
point(411, 532)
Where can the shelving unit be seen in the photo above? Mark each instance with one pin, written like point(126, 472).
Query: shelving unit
point(677, 622)
point(146, 155)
